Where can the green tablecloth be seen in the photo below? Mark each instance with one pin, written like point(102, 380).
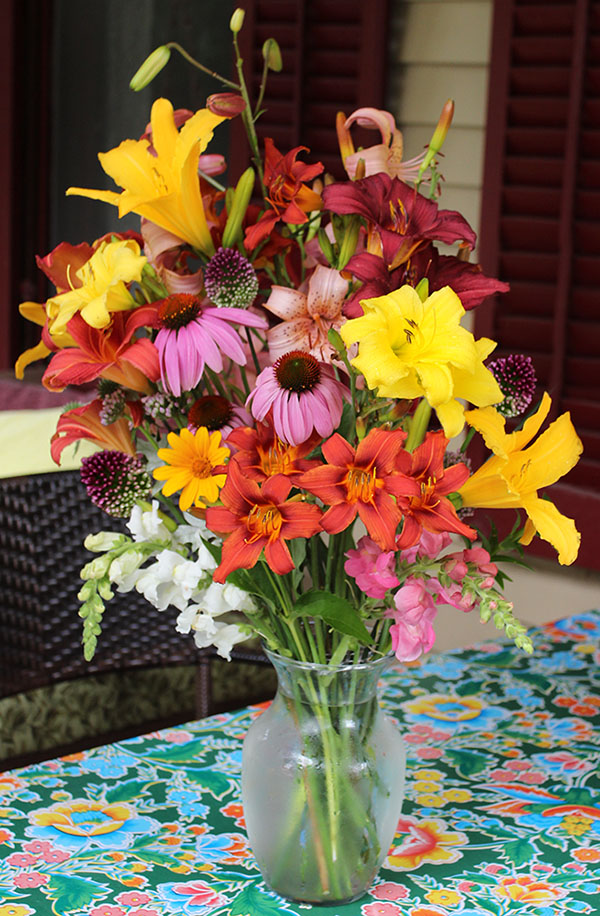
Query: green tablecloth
point(502, 812)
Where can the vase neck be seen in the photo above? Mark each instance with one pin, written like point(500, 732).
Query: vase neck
point(336, 685)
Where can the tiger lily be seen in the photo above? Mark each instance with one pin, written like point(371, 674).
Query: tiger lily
point(513, 475)
point(161, 182)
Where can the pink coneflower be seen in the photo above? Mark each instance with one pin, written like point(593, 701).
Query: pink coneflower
point(303, 394)
point(193, 335)
point(217, 413)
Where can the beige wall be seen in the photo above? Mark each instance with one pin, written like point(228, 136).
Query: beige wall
point(440, 50)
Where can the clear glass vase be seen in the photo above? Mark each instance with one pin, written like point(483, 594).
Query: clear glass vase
point(322, 781)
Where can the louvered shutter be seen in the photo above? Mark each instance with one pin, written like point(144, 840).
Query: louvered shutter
point(540, 229)
point(334, 55)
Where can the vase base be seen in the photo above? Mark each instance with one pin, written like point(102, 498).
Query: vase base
point(310, 900)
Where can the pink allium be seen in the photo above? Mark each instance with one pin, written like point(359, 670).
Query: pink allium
point(412, 631)
point(193, 335)
point(430, 544)
point(372, 568)
point(303, 395)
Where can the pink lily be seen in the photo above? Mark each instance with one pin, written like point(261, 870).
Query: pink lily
point(107, 353)
point(307, 316)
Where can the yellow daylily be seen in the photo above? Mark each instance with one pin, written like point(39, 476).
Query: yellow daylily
point(514, 474)
point(163, 188)
point(103, 289)
point(411, 349)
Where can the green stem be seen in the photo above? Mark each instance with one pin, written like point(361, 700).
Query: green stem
point(247, 115)
point(191, 60)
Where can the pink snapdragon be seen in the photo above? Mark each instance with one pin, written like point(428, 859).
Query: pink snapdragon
point(430, 544)
point(457, 566)
point(371, 568)
point(412, 632)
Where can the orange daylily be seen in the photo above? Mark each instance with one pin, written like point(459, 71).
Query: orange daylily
point(85, 423)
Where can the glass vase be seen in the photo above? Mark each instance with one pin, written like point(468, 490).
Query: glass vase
point(322, 781)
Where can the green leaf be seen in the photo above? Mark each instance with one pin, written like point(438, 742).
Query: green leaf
point(72, 893)
point(468, 763)
point(335, 611)
point(217, 784)
point(536, 680)
point(177, 753)
point(126, 791)
point(256, 582)
point(468, 688)
point(253, 902)
point(518, 852)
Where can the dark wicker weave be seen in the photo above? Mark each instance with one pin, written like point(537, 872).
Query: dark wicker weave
point(43, 522)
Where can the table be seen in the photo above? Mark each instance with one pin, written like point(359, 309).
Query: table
point(502, 811)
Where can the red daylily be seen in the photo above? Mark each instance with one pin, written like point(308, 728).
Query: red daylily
point(421, 489)
point(261, 454)
point(258, 518)
point(467, 280)
point(358, 482)
point(85, 423)
point(288, 195)
point(400, 219)
point(107, 353)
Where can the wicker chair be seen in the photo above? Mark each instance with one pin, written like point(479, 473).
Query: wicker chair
point(43, 521)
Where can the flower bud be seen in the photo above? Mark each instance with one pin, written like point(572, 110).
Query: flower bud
point(225, 104)
point(150, 68)
point(272, 55)
point(237, 20)
point(239, 205)
point(103, 540)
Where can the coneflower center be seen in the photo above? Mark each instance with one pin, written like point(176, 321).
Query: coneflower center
point(178, 310)
point(297, 371)
point(264, 521)
point(212, 411)
point(361, 484)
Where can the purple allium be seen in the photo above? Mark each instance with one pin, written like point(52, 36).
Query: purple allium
point(516, 377)
point(115, 481)
point(230, 280)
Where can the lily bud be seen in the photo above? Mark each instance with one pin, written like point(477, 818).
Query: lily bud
point(326, 246)
point(336, 341)
point(225, 104)
point(439, 135)
point(153, 64)
point(237, 20)
point(239, 205)
point(349, 241)
point(272, 55)
point(422, 289)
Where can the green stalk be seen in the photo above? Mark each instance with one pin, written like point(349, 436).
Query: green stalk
point(418, 426)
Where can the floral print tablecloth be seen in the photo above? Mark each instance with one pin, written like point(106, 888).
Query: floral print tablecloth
point(502, 812)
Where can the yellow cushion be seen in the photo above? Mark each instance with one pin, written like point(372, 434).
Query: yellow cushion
point(25, 443)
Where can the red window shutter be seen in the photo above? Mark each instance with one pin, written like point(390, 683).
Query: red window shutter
point(540, 229)
point(334, 57)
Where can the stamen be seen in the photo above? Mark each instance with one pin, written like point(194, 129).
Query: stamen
point(263, 521)
point(178, 310)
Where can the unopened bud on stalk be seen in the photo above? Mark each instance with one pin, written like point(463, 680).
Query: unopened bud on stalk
point(336, 341)
point(422, 289)
point(237, 20)
point(439, 136)
point(150, 68)
point(349, 241)
point(239, 205)
point(272, 55)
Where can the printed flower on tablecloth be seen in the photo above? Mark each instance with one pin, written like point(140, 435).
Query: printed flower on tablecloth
point(527, 889)
point(81, 824)
point(225, 848)
point(417, 841)
point(380, 909)
point(573, 812)
point(235, 810)
point(192, 898)
point(16, 909)
point(454, 713)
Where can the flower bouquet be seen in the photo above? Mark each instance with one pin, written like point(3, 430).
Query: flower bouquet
point(286, 395)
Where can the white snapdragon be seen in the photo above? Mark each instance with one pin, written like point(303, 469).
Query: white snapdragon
point(124, 570)
point(103, 541)
point(146, 525)
point(170, 580)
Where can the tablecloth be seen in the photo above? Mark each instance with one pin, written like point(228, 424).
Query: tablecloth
point(502, 812)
